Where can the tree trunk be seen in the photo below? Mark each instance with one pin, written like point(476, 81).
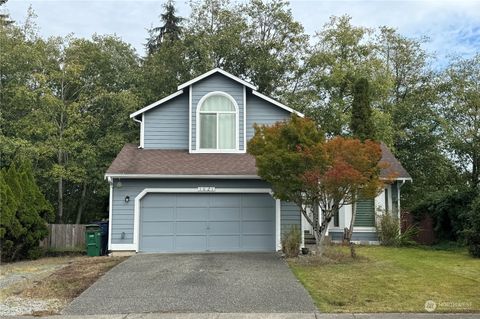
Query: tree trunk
point(60, 201)
point(352, 220)
point(321, 231)
point(81, 205)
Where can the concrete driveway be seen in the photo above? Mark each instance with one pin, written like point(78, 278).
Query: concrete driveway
point(240, 282)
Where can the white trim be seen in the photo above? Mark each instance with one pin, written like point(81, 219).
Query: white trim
point(274, 102)
point(147, 176)
point(190, 118)
point(197, 126)
point(136, 218)
point(142, 131)
point(278, 224)
point(117, 247)
point(110, 214)
point(245, 119)
point(404, 179)
point(229, 75)
point(151, 106)
point(302, 245)
point(218, 151)
point(355, 229)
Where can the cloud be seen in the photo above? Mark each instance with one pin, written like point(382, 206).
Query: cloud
point(452, 26)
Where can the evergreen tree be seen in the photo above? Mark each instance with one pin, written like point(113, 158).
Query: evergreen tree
point(361, 123)
point(169, 31)
point(5, 17)
point(25, 213)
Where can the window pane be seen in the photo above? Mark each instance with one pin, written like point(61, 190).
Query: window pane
point(226, 131)
point(217, 103)
point(208, 131)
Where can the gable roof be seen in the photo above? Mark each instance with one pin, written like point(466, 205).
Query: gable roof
point(395, 168)
point(207, 74)
point(151, 106)
point(133, 162)
point(213, 71)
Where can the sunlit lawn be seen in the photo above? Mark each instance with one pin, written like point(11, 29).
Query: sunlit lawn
point(392, 280)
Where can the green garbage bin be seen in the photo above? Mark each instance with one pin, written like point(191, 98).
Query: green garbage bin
point(93, 239)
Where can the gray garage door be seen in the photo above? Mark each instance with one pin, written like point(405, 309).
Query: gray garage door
point(207, 222)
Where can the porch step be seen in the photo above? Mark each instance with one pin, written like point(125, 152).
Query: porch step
point(309, 238)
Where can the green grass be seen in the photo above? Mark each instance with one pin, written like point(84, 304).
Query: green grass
point(392, 280)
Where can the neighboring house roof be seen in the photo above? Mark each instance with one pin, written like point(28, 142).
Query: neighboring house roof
point(207, 74)
point(395, 168)
point(154, 163)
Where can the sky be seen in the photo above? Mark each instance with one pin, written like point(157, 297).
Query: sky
point(453, 27)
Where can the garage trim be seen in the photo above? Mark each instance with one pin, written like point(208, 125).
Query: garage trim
point(136, 225)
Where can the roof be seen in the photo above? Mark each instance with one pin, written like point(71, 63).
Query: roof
point(133, 162)
point(395, 168)
point(213, 71)
point(163, 163)
point(207, 74)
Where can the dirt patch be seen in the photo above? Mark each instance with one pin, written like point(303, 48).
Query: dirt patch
point(333, 254)
point(71, 280)
point(47, 285)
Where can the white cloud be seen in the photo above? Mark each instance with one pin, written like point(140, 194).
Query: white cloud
point(452, 26)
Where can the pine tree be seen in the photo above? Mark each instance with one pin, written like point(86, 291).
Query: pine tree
point(4, 17)
point(25, 212)
point(169, 31)
point(361, 123)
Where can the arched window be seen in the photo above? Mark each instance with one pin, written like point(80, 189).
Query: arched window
point(217, 120)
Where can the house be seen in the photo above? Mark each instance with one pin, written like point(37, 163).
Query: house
point(190, 186)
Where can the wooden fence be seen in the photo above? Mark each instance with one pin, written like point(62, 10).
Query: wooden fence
point(61, 236)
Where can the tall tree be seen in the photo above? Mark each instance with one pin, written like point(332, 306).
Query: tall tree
point(171, 29)
point(5, 17)
point(361, 123)
point(461, 114)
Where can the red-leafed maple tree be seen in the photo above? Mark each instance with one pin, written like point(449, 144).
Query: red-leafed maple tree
point(315, 174)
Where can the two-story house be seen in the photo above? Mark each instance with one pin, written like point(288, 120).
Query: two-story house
point(190, 185)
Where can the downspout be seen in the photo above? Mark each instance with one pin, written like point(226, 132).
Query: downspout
point(142, 129)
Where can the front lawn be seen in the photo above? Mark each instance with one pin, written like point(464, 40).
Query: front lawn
point(391, 280)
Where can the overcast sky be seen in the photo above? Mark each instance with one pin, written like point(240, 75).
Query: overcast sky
point(452, 26)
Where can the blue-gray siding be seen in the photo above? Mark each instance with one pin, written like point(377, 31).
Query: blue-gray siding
point(166, 126)
point(262, 112)
point(217, 82)
point(356, 236)
point(290, 216)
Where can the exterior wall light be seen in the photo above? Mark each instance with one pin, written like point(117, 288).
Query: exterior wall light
point(127, 199)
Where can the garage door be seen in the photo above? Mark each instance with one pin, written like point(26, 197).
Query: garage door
point(207, 222)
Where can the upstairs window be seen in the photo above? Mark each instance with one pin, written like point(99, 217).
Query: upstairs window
point(217, 121)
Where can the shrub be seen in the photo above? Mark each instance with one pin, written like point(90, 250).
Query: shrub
point(471, 232)
point(24, 214)
point(291, 242)
point(448, 211)
point(388, 229)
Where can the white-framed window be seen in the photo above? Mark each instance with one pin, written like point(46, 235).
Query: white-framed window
point(217, 122)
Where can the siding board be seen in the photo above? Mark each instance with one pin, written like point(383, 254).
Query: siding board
point(166, 126)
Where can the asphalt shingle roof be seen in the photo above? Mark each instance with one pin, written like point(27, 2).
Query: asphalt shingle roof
point(132, 160)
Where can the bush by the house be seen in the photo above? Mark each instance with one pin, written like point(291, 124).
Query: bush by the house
point(24, 213)
point(389, 234)
point(471, 232)
point(447, 210)
point(291, 242)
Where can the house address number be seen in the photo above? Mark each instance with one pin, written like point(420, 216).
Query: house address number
point(206, 189)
